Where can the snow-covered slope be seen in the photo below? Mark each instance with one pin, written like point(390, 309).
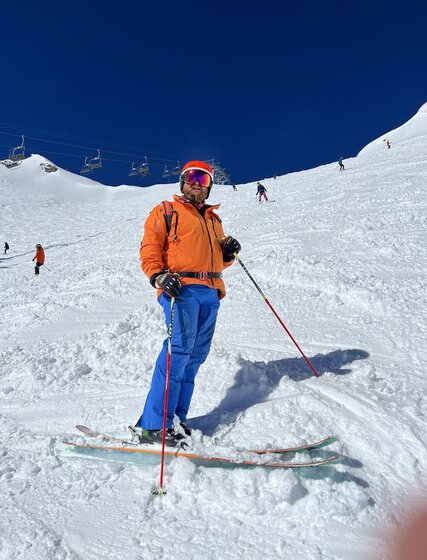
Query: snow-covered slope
point(341, 256)
point(414, 128)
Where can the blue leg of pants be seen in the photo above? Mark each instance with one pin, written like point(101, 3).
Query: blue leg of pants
point(195, 313)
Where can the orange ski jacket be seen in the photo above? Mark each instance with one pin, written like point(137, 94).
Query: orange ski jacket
point(39, 256)
point(192, 245)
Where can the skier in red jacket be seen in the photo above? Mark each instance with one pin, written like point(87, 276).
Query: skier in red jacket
point(38, 258)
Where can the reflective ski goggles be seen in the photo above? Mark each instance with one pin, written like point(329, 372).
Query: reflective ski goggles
point(193, 175)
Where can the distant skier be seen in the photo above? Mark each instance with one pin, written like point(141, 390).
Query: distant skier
point(388, 143)
point(6, 247)
point(262, 192)
point(38, 258)
point(340, 161)
point(234, 188)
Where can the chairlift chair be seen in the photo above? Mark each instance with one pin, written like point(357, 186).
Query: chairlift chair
point(91, 163)
point(86, 168)
point(176, 170)
point(166, 172)
point(141, 169)
point(96, 162)
point(18, 153)
point(133, 170)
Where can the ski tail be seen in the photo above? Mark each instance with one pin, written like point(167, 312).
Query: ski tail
point(298, 448)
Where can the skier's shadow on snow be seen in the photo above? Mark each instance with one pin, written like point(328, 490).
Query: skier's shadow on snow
point(255, 381)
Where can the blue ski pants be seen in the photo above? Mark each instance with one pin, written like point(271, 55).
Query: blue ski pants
point(195, 313)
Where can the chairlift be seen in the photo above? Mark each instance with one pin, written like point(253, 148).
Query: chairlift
point(166, 173)
point(90, 164)
point(18, 153)
point(176, 170)
point(141, 169)
point(86, 168)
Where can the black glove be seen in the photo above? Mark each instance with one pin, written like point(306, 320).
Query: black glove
point(229, 247)
point(169, 283)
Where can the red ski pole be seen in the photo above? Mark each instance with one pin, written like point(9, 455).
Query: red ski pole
point(161, 490)
point(276, 315)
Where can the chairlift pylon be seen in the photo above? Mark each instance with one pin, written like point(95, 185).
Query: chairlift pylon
point(221, 175)
point(91, 163)
point(18, 153)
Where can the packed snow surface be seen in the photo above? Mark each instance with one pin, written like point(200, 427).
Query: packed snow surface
point(340, 256)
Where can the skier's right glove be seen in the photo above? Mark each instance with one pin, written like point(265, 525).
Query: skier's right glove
point(169, 283)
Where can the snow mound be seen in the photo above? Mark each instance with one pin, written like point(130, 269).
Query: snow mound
point(30, 177)
point(415, 127)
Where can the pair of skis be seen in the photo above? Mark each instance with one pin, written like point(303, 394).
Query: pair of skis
point(114, 445)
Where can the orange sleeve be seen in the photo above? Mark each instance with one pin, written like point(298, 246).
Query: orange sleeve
point(153, 241)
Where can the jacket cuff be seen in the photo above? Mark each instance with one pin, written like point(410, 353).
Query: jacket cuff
point(153, 278)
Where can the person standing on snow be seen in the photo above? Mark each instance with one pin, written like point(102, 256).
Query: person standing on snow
point(388, 143)
point(184, 261)
point(38, 258)
point(6, 247)
point(340, 161)
point(262, 192)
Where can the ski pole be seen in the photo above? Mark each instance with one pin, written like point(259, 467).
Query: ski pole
point(276, 315)
point(161, 490)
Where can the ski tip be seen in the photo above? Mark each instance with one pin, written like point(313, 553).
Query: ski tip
point(323, 442)
point(86, 430)
point(323, 463)
point(334, 459)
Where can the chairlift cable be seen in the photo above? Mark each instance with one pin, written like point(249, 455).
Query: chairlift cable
point(134, 156)
point(97, 142)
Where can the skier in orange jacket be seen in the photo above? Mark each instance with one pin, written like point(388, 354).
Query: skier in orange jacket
point(185, 262)
point(38, 258)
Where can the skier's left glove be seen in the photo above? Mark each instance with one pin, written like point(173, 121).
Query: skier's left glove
point(230, 247)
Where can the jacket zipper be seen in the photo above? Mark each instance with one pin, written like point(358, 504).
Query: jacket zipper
point(210, 241)
point(203, 219)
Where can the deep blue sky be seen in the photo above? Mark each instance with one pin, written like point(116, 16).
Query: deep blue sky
point(264, 87)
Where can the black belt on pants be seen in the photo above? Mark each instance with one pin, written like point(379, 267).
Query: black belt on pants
point(200, 275)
